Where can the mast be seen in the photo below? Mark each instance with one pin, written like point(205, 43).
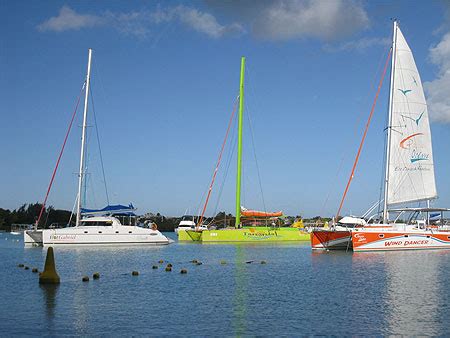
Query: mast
point(83, 139)
point(239, 154)
point(391, 103)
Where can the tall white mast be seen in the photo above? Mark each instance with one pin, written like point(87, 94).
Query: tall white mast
point(83, 139)
point(389, 130)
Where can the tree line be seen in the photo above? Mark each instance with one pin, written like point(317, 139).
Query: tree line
point(29, 213)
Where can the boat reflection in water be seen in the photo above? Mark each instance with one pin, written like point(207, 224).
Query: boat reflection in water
point(410, 285)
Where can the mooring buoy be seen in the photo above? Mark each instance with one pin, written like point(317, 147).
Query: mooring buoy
point(169, 265)
point(198, 263)
point(194, 261)
point(160, 261)
point(263, 262)
point(26, 268)
point(183, 271)
point(155, 267)
point(20, 265)
point(96, 275)
point(34, 270)
point(223, 262)
point(168, 268)
point(85, 279)
point(49, 275)
point(135, 273)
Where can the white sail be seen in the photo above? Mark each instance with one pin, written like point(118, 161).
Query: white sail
point(410, 164)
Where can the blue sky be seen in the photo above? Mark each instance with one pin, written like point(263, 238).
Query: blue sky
point(164, 79)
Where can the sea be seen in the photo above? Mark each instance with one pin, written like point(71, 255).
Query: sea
point(237, 290)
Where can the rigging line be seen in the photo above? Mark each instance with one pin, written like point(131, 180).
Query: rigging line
point(87, 155)
point(46, 218)
point(60, 155)
point(256, 159)
point(73, 210)
point(227, 166)
point(99, 147)
point(355, 126)
point(217, 165)
point(253, 141)
point(199, 205)
point(380, 197)
point(364, 135)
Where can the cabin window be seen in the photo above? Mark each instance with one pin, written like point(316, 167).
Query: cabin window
point(99, 232)
point(406, 236)
point(130, 232)
point(381, 235)
point(96, 223)
point(428, 236)
point(85, 232)
point(117, 232)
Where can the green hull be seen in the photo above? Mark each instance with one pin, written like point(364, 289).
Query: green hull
point(253, 234)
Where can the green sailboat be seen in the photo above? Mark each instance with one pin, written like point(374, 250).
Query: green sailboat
point(244, 233)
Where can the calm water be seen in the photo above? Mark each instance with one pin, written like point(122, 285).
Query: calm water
point(296, 293)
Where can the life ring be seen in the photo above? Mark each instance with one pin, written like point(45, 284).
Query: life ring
point(154, 226)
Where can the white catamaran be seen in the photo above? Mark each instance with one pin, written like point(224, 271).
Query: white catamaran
point(99, 228)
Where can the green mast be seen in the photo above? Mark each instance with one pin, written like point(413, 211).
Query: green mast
point(239, 154)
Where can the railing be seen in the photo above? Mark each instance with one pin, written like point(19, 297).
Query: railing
point(21, 227)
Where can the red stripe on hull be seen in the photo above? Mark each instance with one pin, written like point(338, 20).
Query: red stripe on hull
point(387, 241)
point(331, 240)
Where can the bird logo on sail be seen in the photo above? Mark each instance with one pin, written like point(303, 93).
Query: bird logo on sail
point(407, 141)
point(405, 91)
point(415, 120)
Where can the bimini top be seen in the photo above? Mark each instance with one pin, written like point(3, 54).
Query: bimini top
point(118, 209)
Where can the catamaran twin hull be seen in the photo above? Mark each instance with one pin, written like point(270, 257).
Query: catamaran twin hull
point(253, 234)
point(331, 240)
point(80, 236)
point(400, 240)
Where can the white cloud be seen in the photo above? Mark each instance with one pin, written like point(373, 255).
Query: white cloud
point(327, 20)
point(438, 90)
point(358, 45)
point(68, 19)
point(136, 23)
point(205, 22)
point(141, 23)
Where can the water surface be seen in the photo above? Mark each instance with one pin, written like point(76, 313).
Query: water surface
point(298, 292)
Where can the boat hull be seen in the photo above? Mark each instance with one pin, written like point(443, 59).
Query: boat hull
point(324, 239)
point(33, 237)
point(253, 234)
point(400, 240)
point(95, 236)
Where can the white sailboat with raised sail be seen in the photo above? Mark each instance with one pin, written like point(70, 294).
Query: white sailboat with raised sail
point(409, 172)
point(94, 227)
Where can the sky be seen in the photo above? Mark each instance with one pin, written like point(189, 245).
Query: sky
point(165, 77)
